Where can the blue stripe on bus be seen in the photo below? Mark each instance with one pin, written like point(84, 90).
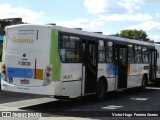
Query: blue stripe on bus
point(20, 72)
point(1, 37)
point(112, 69)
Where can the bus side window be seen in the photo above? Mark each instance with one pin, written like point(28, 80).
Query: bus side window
point(145, 54)
point(130, 54)
point(69, 48)
point(101, 51)
point(138, 54)
point(83, 53)
point(157, 54)
point(109, 52)
point(62, 53)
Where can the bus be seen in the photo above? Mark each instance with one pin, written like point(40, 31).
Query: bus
point(3, 23)
point(65, 62)
point(1, 46)
point(157, 46)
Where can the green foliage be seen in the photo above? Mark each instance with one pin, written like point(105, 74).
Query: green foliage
point(133, 34)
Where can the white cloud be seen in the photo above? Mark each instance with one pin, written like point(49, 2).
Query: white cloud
point(157, 14)
point(81, 23)
point(119, 11)
point(118, 17)
point(142, 1)
point(156, 38)
point(130, 6)
point(151, 1)
point(110, 6)
point(95, 6)
point(147, 26)
point(8, 11)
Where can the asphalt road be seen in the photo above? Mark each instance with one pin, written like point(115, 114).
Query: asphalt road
point(122, 102)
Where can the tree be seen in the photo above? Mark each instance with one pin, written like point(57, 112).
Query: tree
point(133, 34)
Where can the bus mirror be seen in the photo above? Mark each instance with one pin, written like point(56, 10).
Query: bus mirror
point(157, 54)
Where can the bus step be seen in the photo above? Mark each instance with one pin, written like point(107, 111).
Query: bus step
point(120, 89)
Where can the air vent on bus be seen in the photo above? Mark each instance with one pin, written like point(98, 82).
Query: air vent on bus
point(99, 32)
point(78, 28)
point(51, 23)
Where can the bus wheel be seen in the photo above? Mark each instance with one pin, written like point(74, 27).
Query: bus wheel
point(144, 83)
point(101, 90)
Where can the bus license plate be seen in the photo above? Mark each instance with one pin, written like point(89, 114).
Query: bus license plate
point(24, 81)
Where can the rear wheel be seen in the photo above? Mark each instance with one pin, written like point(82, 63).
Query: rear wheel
point(101, 90)
point(144, 83)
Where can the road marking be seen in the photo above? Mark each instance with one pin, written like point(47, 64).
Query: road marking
point(155, 88)
point(25, 103)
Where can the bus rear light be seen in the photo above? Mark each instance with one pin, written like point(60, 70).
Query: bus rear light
point(3, 66)
point(49, 69)
point(4, 72)
point(3, 69)
point(48, 75)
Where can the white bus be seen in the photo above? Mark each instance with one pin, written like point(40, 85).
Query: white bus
point(59, 61)
point(3, 23)
point(157, 46)
point(1, 46)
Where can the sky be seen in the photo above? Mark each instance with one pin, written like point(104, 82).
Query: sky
point(107, 16)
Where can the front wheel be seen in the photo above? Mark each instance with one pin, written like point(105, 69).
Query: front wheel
point(101, 90)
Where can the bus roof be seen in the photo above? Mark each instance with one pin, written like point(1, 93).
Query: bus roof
point(90, 34)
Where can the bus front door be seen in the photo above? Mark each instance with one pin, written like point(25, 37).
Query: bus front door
point(153, 64)
point(90, 66)
point(121, 62)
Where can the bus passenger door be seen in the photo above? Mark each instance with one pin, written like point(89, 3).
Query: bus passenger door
point(121, 62)
point(153, 64)
point(90, 66)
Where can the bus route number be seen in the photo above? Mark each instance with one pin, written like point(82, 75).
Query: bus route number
point(67, 76)
point(24, 63)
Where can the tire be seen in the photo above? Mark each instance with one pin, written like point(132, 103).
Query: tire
point(101, 90)
point(144, 83)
